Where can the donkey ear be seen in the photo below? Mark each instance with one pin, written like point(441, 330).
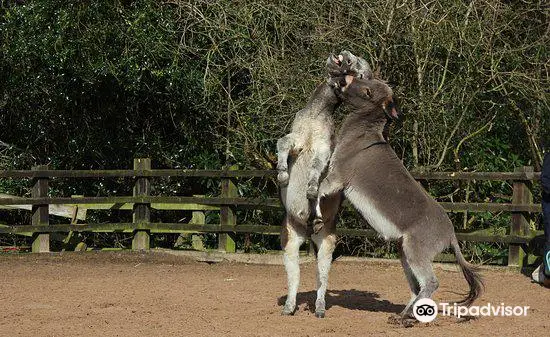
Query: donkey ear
point(333, 60)
point(345, 82)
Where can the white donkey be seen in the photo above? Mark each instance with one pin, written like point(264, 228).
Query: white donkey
point(303, 157)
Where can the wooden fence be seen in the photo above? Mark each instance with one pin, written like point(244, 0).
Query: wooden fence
point(141, 203)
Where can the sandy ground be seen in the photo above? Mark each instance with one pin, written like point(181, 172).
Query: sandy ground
point(152, 294)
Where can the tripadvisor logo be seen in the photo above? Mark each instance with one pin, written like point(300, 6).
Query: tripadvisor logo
point(426, 310)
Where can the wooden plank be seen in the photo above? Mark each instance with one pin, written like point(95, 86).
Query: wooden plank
point(509, 239)
point(153, 227)
point(478, 236)
point(40, 214)
point(65, 211)
point(246, 174)
point(130, 206)
point(476, 175)
point(137, 173)
point(245, 202)
point(182, 203)
point(490, 207)
point(158, 201)
point(479, 207)
point(184, 207)
point(451, 258)
point(19, 233)
point(141, 211)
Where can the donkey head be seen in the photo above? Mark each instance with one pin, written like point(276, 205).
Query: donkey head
point(368, 94)
point(347, 64)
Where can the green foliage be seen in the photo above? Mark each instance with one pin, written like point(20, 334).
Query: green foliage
point(95, 84)
point(200, 83)
point(462, 69)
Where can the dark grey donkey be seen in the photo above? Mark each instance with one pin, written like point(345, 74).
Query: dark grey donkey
point(371, 176)
point(303, 156)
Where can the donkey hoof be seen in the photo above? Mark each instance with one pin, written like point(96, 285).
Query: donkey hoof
point(320, 313)
point(408, 322)
point(317, 225)
point(283, 178)
point(288, 311)
point(397, 319)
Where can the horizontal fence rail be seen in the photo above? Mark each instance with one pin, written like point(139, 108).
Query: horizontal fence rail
point(165, 227)
point(245, 174)
point(142, 202)
point(136, 173)
point(118, 202)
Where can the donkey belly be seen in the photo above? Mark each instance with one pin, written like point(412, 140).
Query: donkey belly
point(293, 195)
point(387, 229)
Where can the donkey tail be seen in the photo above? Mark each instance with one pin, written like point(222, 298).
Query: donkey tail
point(471, 274)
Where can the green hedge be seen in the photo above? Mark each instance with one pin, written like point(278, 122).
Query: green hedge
point(198, 83)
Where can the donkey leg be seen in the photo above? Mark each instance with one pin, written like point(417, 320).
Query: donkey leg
point(291, 239)
point(411, 279)
point(328, 195)
point(413, 284)
point(419, 258)
point(325, 243)
point(428, 285)
point(318, 165)
point(284, 145)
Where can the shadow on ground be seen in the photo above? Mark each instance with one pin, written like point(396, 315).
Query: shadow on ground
point(350, 299)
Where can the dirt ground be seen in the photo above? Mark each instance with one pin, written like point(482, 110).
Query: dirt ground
point(154, 294)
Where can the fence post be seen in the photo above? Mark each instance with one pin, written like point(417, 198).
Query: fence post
point(142, 211)
point(226, 241)
point(40, 213)
point(522, 194)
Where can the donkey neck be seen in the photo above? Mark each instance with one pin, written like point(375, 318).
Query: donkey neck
point(360, 125)
point(322, 101)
